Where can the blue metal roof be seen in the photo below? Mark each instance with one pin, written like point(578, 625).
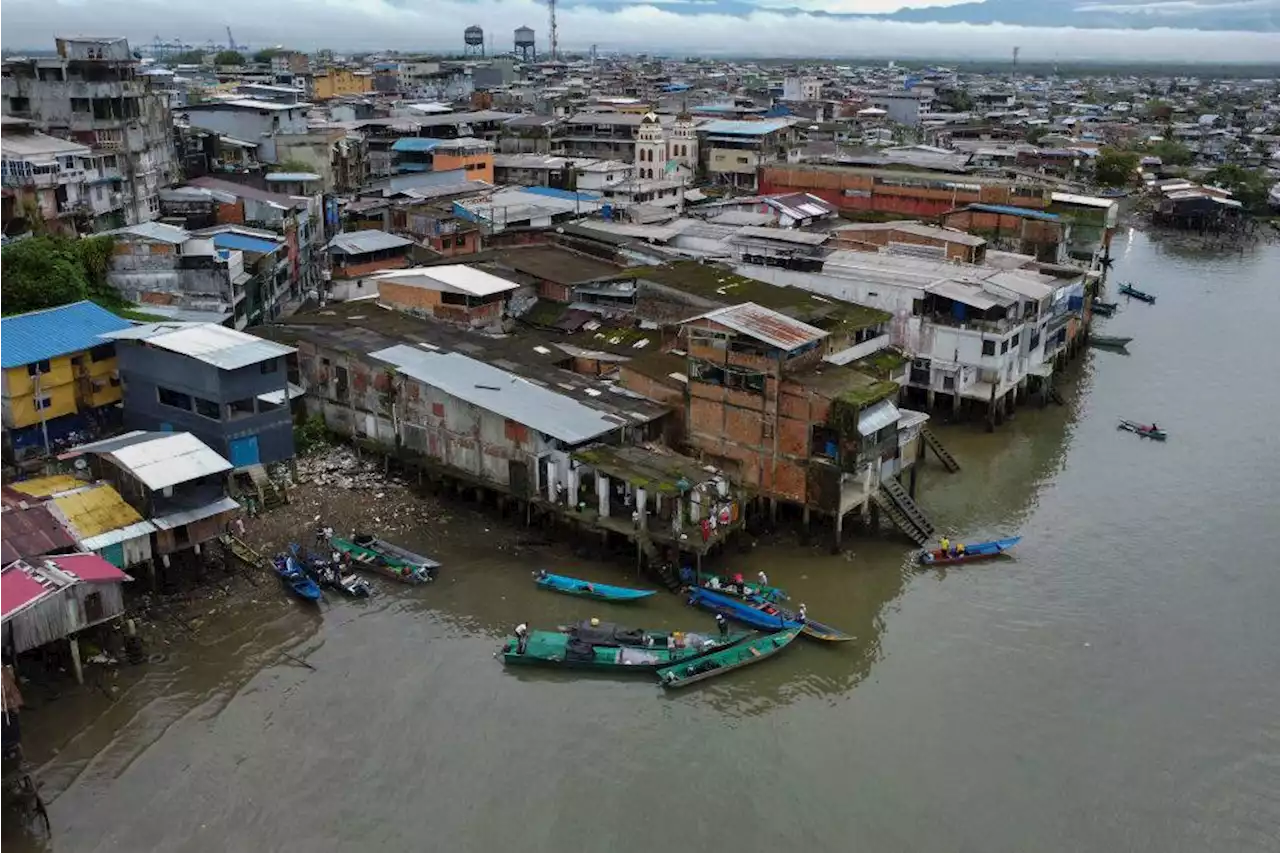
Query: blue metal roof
point(567, 195)
point(728, 127)
point(245, 243)
point(415, 144)
point(58, 331)
point(412, 167)
point(1010, 210)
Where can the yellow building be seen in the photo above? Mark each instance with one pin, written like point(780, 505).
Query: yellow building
point(57, 370)
point(336, 82)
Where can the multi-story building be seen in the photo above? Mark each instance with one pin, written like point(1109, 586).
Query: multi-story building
point(59, 376)
point(905, 106)
point(336, 82)
point(91, 94)
point(457, 294)
point(45, 180)
point(733, 151)
point(227, 388)
point(251, 120)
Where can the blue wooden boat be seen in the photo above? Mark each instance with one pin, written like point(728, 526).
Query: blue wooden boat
point(588, 589)
point(740, 610)
point(295, 579)
point(1140, 295)
point(977, 551)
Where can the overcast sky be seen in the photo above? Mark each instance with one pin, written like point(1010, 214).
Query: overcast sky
point(673, 26)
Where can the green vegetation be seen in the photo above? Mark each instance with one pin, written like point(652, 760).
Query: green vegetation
point(1158, 110)
point(291, 165)
point(189, 57)
point(1248, 186)
point(310, 435)
point(881, 364)
point(1170, 152)
point(1116, 168)
point(267, 54)
point(228, 57)
point(45, 272)
point(1035, 133)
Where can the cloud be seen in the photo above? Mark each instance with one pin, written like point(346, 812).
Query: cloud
point(694, 29)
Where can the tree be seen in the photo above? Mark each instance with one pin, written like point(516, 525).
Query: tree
point(1035, 133)
point(1248, 186)
point(267, 54)
point(190, 57)
point(1114, 167)
point(229, 57)
point(1170, 152)
point(40, 272)
point(290, 165)
point(1159, 110)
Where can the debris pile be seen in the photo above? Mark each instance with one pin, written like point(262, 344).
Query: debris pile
point(339, 466)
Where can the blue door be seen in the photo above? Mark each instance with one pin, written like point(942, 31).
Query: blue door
point(244, 451)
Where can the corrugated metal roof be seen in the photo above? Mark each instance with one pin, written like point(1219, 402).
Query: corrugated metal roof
point(877, 416)
point(169, 459)
point(41, 335)
point(415, 144)
point(765, 324)
point(1083, 200)
point(1010, 210)
point(186, 516)
point(245, 243)
point(226, 349)
point(503, 393)
point(157, 231)
point(372, 240)
point(729, 127)
point(43, 487)
point(95, 510)
point(88, 567)
point(30, 529)
point(784, 235)
point(19, 589)
point(123, 534)
point(452, 277)
point(292, 177)
point(972, 296)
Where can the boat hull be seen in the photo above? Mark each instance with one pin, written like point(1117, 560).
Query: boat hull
point(1143, 430)
point(972, 553)
point(370, 558)
point(739, 610)
point(556, 650)
point(589, 589)
point(1134, 293)
point(726, 660)
point(725, 586)
point(1105, 342)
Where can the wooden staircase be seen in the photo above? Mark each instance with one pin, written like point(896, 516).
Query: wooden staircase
point(935, 444)
point(904, 512)
point(269, 494)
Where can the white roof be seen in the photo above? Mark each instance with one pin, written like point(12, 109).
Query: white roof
point(168, 460)
point(504, 393)
point(765, 324)
point(1083, 200)
point(226, 349)
point(877, 416)
point(40, 147)
point(158, 231)
point(455, 278)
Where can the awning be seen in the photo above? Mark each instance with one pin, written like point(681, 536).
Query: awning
point(974, 297)
point(877, 416)
point(694, 195)
point(277, 397)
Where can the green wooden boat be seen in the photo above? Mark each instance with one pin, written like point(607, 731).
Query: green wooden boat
point(726, 660)
point(609, 647)
point(387, 559)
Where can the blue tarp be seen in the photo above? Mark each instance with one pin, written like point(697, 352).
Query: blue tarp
point(1010, 210)
point(415, 144)
point(567, 195)
point(245, 243)
point(42, 335)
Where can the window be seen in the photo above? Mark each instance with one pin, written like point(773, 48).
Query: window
point(174, 399)
point(988, 347)
point(208, 409)
point(270, 366)
point(1004, 347)
point(42, 403)
point(1014, 340)
point(437, 409)
point(743, 160)
point(240, 408)
point(948, 383)
point(917, 307)
point(37, 367)
point(102, 352)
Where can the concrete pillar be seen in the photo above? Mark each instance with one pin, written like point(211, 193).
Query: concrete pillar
point(839, 538)
point(571, 487)
point(77, 668)
point(602, 494)
point(805, 519)
point(773, 510)
point(641, 507)
point(931, 397)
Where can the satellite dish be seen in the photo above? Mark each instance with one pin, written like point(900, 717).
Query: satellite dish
point(80, 464)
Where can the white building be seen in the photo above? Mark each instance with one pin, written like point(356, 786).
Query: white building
point(251, 120)
point(801, 89)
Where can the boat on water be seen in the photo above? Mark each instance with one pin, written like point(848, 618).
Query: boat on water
point(1145, 430)
point(588, 589)
point(763, 615)
point(1109, 341)
point(329, 574)
point(972, 553)
point(1143, 296)
point(380, 556)
point(725, 660)
point(735, 586)
point(1105, 309)
point(295, 579)
point(605, 646)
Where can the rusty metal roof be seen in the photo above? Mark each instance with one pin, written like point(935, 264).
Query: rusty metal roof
point(30, 529)
point(765, 325)
point(95, 510)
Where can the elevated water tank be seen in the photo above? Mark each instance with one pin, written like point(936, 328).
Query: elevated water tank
point(525, 44)
point(473, 36)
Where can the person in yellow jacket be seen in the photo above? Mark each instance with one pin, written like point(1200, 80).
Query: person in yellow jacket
point(946, 546)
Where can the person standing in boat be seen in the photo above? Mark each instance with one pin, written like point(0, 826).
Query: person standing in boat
point(723, 625)
point(522, 638)
point(802, 616)
point(944, 546)
point(764, 582)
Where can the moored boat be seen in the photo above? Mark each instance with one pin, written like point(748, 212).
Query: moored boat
point(1130, 290)
point(971, 553)
point(588, 589)
point(764, 615)
point(297, 581)
point(1109, 341)
point(1105, 309)
point(382, 557)
point(1145, 430)
point(610, 647)
point(725, 660)
point(735, 586)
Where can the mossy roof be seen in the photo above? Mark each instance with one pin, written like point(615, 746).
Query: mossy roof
point(881, 364)
point(721, 284)
point(644, 468)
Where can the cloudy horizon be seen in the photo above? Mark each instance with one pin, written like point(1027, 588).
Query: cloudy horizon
point(678, 27)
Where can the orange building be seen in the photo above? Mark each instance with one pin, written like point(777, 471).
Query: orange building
point(457, 294)
point(475, 156)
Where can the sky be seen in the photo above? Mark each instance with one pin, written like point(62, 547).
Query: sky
point(679, 27)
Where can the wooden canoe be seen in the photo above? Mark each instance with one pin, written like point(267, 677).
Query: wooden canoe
point(1142, 296)
point(606, 647)
point(726, 660)
point(972, 553)
point(1144, 430)
point(589, 589)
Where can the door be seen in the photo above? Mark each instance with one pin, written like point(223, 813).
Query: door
point(114, 554)
point(244, 451)
point(518, 473)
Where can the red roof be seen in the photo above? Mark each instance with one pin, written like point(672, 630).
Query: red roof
point(88, 567)
point(29, 529)
point(18, 589)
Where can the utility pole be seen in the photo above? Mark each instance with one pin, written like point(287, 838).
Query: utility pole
point(555, 48)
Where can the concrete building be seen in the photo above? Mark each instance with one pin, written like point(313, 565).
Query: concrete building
point(903, 107)
point(457, 294)
point(338, 157)
point(59, 377)
point(50, 184)
point(355, 255)
point(91, 94)
point(605, 136)
point(228, 389)
point(798, 88)
point(334, 82)
point(911, 238)
point(734, 151)
point(251, 120)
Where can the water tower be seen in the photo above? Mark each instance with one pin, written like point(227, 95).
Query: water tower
point(526, 47)
point(473, 38)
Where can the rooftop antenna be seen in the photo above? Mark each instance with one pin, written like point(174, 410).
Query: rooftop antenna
point(1015, 60)
point(555, 52)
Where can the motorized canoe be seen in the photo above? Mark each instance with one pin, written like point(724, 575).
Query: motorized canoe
point(375, 555)
point(299, 584)
point(1145, 430)
point(811, 628)
point(610, 647)
point(1105, 309)
point(972, 553)
point(1142, 296)
point(764, 615)
point(589, 589)
point(735, 586)
point(1109, 341)
point(726, 660)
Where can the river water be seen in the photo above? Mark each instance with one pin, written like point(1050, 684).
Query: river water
point(1114, 687)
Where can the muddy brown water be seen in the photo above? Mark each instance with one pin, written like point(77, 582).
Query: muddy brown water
point(1113, 687)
